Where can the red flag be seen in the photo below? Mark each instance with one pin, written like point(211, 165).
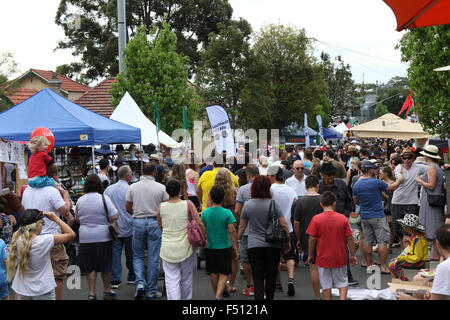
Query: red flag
point(411, 106)
point(348, 125)
point(408, 103)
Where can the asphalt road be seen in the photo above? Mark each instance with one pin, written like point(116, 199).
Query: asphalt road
point(202, 289)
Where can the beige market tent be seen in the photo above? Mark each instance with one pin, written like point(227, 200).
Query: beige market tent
point(389, 126)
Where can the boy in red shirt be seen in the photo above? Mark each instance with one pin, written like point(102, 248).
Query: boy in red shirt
point(331, 232)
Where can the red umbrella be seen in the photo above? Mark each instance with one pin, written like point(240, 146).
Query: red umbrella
point(419, 13)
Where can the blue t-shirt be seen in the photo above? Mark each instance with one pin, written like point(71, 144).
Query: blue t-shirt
point(369, 195)
point(3, 256)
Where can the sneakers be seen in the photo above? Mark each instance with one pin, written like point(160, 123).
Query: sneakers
point(291, 289)
point(115, 284)
point(140, 292)
point(279, 287)
point(249, 291)
point(130, 282)
point(353, 282)
point(156, 295)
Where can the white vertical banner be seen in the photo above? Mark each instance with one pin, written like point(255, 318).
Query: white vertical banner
point(306, 130)
point(221, 130)
point(319, 121)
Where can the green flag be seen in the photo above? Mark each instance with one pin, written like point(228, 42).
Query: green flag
point(156, 117)
point(185, 119)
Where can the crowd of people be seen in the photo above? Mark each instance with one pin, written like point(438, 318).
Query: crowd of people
point(330, 201)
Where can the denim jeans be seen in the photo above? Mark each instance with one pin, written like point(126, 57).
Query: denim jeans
point(146, 232)
point(116, 271)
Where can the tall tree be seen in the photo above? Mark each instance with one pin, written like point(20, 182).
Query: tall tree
point(156, 71)
point(221, 74)
point(284, 81)
point(341, 87)
point(94, 37)
point(426, 49)
point(8, 67)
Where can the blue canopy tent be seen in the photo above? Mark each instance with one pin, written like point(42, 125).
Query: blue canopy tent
point(71, 124)
point(330, 134)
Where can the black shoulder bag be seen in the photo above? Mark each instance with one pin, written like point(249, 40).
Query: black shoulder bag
point(274, 232)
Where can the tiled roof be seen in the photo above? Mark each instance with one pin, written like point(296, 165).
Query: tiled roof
point(67, 84)
point(98, 99)
point(18, 95)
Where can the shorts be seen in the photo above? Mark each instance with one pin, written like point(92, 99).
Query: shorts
point(330, 276)
point(218, 260)
point(60, 261)
point(290, 255)
point(376, 230)
point(46, 296)
point(243, 249)
point(4, 292)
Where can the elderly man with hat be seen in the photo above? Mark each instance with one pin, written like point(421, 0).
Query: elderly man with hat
point(431, 181)
point(406, 197)
point(375, 229)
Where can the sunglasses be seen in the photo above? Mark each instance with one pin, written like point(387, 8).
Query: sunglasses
point(407, 158)
point(300, 168)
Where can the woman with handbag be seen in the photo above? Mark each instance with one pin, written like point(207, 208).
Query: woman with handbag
point(264, 256)
point(431, 213)
point(177, 253)
point(94, 211)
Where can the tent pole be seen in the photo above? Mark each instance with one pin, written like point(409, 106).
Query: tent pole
point(142, 161)
point(93, 159)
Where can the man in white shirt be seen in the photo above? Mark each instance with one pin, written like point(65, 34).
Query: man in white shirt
point(55, 200)
point(406, 197)
point(297, 181)
point(441, 282)
point(285, 197)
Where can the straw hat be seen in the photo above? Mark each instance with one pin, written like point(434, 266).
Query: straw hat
point(431, 151)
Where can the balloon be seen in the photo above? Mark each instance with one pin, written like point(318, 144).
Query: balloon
point(42, 131)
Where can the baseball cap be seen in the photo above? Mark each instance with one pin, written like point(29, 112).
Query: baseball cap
point(366, 164)
point(274, 170)
point(160, 169)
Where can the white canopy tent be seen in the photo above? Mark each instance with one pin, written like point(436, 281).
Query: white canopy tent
point(341, 127)
point(128, 112)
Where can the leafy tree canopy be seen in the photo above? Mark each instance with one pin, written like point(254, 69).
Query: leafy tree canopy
point(154, 70)
point(90, 27)
point(425, 49)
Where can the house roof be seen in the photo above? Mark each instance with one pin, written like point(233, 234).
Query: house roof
point(17, 95)
point(98, 98)
point(67, 84)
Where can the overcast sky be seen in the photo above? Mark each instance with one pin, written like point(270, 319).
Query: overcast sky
point(361, 31)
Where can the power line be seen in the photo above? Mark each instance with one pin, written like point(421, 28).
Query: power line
point(357, 52)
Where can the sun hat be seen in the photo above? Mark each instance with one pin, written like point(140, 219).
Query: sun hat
point(407, 151)
point(411, 221)
point(351, 149)
point(431, 151)
point(30, 216)
point(105, 149)
point(420, 160)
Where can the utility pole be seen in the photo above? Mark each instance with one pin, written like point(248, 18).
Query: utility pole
point(122, 26)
